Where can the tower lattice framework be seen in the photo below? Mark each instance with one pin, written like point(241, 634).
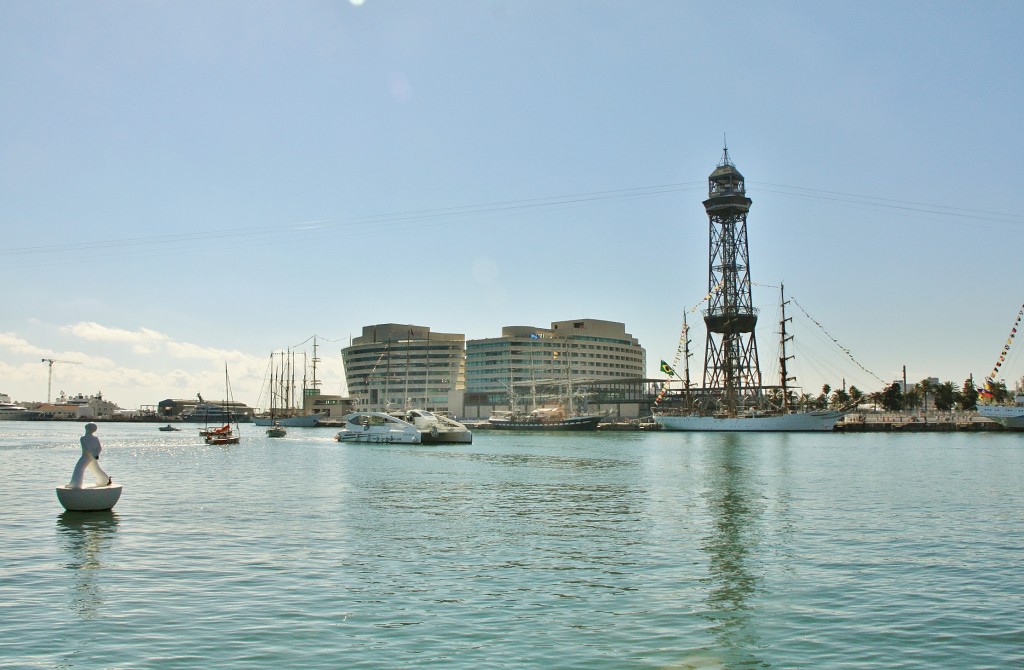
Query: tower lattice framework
point(731, 370)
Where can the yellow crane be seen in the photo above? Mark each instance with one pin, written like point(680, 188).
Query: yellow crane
point(49, 381)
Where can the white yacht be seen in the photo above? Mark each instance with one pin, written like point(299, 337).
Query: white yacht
point(378, 428)
point(438, 429)
point(10, 411)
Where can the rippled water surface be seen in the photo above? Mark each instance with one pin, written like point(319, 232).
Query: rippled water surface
point(605, 550)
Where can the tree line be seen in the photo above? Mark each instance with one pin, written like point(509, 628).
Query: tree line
point(943, 396)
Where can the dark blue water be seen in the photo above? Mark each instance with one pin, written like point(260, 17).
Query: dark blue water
point(605, 550)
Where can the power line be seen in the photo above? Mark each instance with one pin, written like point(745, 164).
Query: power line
point(251, 236)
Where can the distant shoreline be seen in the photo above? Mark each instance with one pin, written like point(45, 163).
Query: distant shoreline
point(856, 422)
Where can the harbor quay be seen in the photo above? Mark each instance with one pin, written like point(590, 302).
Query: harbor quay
point(895, 422)
point(855, 422)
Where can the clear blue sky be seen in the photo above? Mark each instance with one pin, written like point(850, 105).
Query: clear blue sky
point(189, 184)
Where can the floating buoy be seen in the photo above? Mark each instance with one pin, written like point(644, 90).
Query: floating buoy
point(89, 498)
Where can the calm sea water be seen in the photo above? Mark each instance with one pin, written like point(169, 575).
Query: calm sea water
point(607, 550)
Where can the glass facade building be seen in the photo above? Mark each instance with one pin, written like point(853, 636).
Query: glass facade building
point(529, 366)
point(394, 367)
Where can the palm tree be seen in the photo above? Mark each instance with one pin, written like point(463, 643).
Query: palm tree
point(945, 396)
point(924, 387)
point(856, 395)
point(840, 398)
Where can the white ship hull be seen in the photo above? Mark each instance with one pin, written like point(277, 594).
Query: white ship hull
point(437, 428)
point(1009, 416)
point(820, 421)
point(378, 428)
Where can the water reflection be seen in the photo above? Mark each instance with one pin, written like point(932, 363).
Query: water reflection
point(735, 504)
point(85, 536)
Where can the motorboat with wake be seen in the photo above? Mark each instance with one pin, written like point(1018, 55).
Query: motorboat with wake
point(378, 428)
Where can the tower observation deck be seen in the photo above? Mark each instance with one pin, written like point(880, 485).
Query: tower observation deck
point(731, 370)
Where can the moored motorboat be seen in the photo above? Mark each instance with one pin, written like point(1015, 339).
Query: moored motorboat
point(378, 428)
point(212, 413)
point(10, 411)
point(437, 428)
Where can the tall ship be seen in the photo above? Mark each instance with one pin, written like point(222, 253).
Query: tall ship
point(732, 396)
point(544, 418)
point(1007, 415)
point(287, 408)
point(563, 415)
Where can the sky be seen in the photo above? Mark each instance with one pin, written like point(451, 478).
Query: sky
point(192, 186)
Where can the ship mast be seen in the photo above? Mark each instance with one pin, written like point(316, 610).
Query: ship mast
point(782, 350)
point(315, 383)
point(686, 363)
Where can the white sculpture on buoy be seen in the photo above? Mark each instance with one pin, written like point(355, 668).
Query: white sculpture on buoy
point(90, 460)
point(77, 497)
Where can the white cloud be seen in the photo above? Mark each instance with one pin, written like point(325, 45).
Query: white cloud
point(94, 332)
point(20, 345)
point(194, 351)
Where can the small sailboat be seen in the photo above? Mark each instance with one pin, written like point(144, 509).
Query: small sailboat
point(229, 433)
point(276, 429)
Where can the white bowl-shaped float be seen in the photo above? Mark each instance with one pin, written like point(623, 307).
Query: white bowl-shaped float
point(89, 498)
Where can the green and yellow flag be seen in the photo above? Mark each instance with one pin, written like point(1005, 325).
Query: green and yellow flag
point(667, 369)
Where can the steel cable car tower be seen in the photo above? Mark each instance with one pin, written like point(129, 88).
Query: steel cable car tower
point(732, 375)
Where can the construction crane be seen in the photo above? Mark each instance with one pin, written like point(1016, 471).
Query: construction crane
point(49, 381)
